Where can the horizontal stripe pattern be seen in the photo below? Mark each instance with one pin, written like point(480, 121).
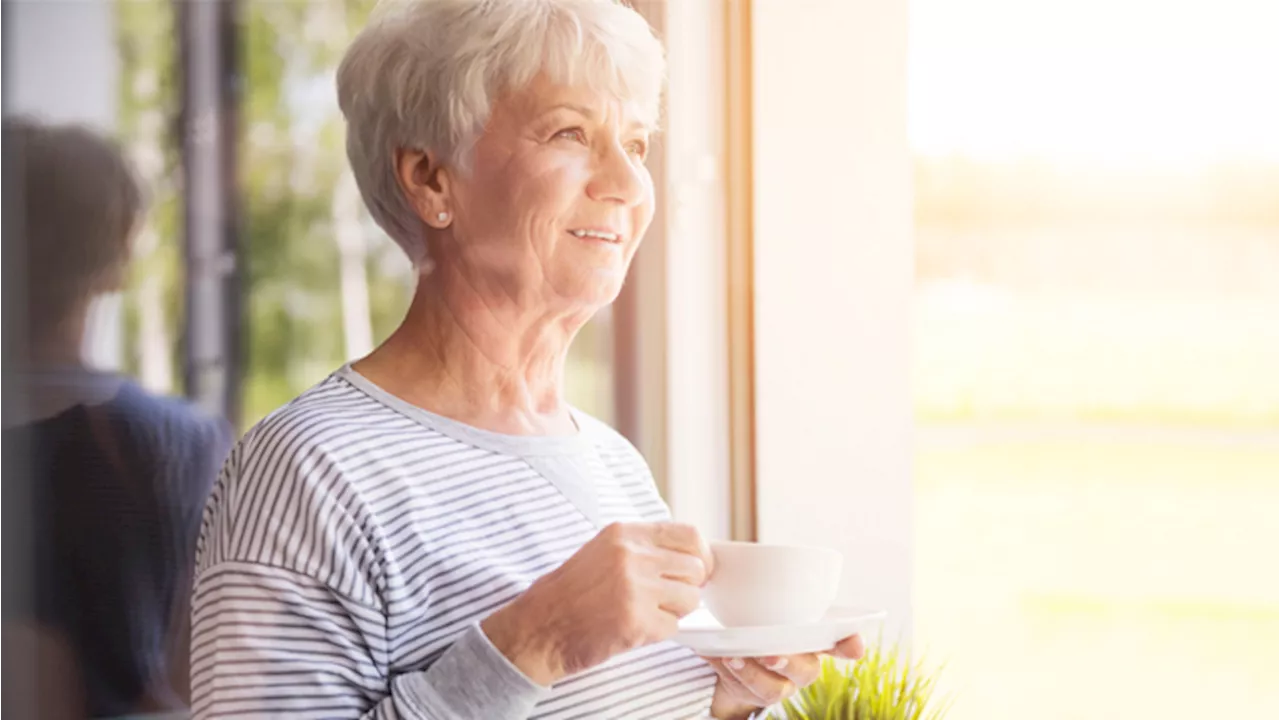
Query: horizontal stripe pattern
point(350, 542)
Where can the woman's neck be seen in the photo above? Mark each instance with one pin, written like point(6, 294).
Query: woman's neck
point(489, 363)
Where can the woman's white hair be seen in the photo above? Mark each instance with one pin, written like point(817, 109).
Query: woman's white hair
point(424, 74)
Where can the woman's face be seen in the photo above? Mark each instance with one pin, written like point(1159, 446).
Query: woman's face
point(556, 202)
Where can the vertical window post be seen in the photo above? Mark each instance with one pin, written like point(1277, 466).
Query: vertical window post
point(208, 123)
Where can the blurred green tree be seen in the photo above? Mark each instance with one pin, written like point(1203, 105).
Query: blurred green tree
point(308, 248)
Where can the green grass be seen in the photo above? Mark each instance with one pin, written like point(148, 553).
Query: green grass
point(884, 685)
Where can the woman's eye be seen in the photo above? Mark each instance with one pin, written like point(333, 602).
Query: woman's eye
point(574, 134)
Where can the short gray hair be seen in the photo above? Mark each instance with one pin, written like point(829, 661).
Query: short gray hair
point(80, 203)
point(423, 74)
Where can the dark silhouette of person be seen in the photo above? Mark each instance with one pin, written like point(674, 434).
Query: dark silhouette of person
point(113, 479)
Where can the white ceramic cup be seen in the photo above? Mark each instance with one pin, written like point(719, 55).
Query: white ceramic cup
point(756, 584)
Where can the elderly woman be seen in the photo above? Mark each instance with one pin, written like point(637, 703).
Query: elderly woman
point(433, 532)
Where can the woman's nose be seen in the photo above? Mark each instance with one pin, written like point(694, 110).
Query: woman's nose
point(619, 177)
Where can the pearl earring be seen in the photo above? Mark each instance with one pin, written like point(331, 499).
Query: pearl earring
point(442, 216)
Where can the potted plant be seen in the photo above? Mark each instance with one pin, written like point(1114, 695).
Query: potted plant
point(884, 685)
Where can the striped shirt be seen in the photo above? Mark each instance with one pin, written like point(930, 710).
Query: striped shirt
point(354, 542)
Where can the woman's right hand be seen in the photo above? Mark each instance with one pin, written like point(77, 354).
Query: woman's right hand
point(626, 588)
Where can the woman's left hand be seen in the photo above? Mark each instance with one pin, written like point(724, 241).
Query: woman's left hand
point(748, 684)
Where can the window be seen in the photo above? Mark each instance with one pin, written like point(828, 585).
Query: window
point(1095, 357)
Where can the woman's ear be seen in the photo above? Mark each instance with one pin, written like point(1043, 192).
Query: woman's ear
point(425, 182)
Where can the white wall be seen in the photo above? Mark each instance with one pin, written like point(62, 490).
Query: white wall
point(60, 65)
point(833, 269)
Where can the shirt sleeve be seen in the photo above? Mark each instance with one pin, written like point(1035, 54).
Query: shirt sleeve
point(271, 642)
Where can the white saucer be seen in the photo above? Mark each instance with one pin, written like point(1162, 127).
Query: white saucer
point(700, 632)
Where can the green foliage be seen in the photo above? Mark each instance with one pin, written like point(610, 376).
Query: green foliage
point(148, 107)
point(884, 685)
point(290, 158)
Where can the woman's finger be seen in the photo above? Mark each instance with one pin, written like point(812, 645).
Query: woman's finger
point(850, 648)
point(680, 566)
point(731, 682)
point(679, 537)
point(765, 685)
point(801, 670)
point(679, 598)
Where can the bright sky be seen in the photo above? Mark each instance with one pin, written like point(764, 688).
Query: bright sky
point(1095, 80)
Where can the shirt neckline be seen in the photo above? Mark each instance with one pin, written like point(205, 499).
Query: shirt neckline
point(522, 445)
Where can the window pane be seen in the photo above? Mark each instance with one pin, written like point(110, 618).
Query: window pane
point(1096, 356)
